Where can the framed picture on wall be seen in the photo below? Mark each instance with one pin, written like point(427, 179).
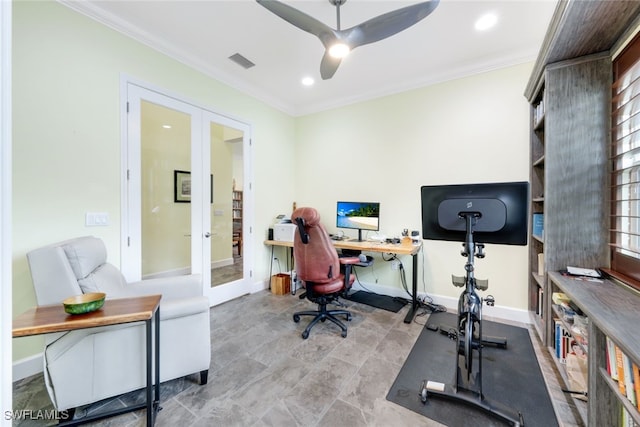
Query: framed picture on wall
point(182, 187)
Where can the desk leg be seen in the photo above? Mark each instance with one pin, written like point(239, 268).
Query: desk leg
point(156, 401)
point(149, 388)
point(414, 285)
point(153, 390)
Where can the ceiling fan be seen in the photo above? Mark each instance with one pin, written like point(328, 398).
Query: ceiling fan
point(337, 42)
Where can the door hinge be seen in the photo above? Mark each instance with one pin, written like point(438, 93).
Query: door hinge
point(128, 241)
point(251, 230)
point(127, 106)
point(250, 273)
point(128, 174)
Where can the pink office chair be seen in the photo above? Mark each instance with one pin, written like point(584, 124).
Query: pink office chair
point(318, 266)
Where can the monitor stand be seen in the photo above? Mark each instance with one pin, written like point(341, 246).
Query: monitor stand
point(359, 235)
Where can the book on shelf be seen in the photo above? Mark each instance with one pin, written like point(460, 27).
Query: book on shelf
point(636, 383)
point(626, 420)
point(628, 379)
point(620, 368)
point(541, 264)
point(564, 342)
point(538, 225)
point(540, 306)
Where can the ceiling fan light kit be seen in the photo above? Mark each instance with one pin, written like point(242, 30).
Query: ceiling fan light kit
point(340, 42)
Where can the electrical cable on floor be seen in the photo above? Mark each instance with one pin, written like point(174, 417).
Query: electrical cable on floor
point(279, 266)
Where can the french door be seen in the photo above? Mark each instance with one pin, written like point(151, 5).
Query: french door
point(184, 164)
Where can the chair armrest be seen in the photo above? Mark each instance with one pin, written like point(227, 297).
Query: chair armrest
point(349, 260)
point(170, 287)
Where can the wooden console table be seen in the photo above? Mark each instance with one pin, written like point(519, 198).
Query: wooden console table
point(405, 247)
point(52, 318)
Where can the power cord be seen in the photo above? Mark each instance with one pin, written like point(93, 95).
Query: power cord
point(426, 304)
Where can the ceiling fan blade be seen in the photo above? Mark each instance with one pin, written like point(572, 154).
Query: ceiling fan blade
point(299, 19)
point(329, 66)
point(388, 24)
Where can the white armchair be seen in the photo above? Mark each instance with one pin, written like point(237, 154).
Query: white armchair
point(88, 365)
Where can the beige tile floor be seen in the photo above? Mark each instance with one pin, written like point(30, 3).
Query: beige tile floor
point(264, 374)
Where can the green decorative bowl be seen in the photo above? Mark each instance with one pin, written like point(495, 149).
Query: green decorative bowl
point(85, 303)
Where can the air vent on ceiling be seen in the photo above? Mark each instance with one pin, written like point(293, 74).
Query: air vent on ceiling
point(241, 61)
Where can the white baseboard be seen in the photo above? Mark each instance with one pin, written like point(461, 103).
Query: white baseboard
point(185, 271)
point(28, 366)
point(497, 312)
point(451, 303)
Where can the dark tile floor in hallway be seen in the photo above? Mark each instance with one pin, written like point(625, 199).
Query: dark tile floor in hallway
point(264, 374)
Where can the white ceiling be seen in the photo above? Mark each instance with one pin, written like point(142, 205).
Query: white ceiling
point(443, 46)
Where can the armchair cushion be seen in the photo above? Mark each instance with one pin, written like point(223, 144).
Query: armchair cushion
point(106, 278)
point(85, 255)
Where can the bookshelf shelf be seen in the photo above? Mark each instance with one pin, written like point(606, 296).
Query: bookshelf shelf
point(612, 312)
point(626, 403)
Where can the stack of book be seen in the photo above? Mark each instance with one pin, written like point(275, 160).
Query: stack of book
point(623, 370)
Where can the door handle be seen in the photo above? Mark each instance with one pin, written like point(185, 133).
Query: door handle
point(207, 234)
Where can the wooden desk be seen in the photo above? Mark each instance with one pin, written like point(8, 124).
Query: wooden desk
point(52, 318)
point(405, 247)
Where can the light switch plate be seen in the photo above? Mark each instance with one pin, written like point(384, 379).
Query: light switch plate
point(96, 219)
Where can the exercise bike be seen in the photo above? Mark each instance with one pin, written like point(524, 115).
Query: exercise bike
point(468, 336)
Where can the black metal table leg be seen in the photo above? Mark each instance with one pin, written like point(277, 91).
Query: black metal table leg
point(414, 285)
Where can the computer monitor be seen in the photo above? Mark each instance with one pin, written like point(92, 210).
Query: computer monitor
point(503, 207)
point(358, 216)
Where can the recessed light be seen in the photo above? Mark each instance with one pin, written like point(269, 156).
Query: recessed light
point(308, 81)
point(486, 21)
point(166, 126)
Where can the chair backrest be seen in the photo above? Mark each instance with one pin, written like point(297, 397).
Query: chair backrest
point(73, 267)
point(317, 260)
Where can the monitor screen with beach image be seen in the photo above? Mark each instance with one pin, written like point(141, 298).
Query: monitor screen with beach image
point(358, 216)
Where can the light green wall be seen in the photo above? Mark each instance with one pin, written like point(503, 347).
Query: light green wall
point(67, 153)
point(470, 130)
point(67, 136)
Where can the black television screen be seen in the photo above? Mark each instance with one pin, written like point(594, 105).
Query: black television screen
point(358, 216)
point(503, 207)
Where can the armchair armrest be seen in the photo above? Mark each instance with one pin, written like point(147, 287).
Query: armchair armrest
point(184, 307)
point(170, 287)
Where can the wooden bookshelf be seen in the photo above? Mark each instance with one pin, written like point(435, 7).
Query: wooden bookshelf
point(569, 93)
point(612, 309)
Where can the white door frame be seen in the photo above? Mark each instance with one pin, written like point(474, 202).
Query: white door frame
point(6, 255)
point(131, 252)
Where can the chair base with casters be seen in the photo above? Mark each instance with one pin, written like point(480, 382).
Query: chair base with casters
point(322, 314)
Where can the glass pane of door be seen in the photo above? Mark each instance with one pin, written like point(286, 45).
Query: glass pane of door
point(165, 191)
point(227, 205)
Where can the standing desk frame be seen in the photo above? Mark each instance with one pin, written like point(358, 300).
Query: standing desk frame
point(405, 247)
